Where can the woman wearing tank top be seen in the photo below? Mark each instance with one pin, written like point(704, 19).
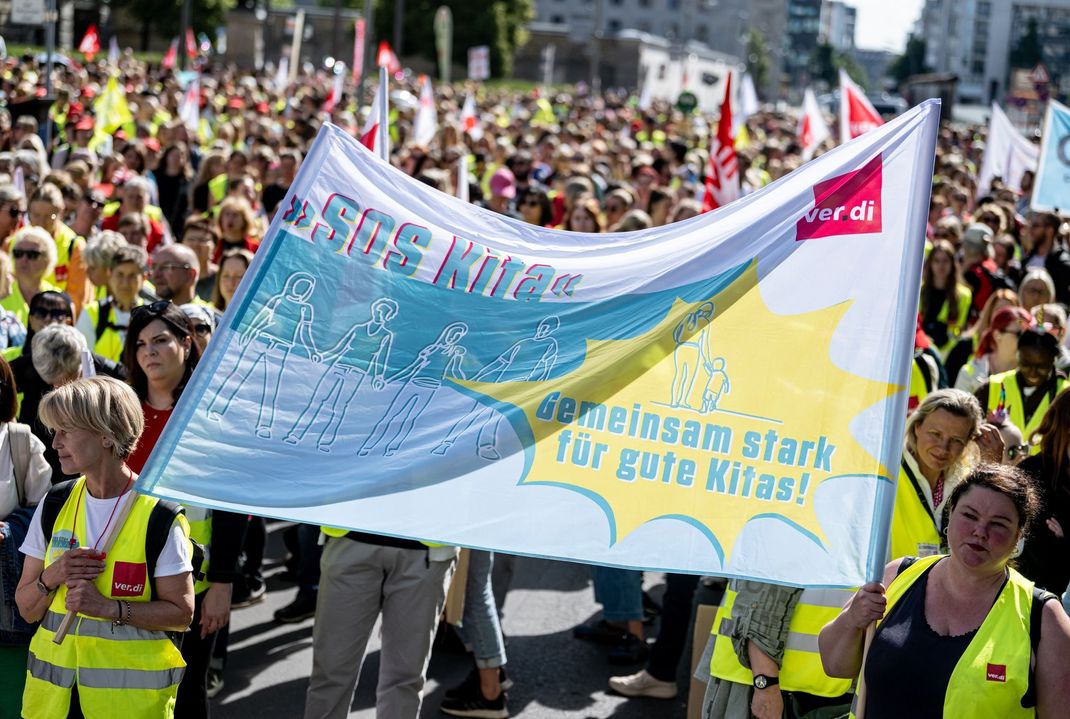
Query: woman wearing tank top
point(953, 633)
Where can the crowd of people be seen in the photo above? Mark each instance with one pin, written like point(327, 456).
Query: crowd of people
point(122, 246)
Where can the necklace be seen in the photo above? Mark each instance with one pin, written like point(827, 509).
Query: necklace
point(111, 515)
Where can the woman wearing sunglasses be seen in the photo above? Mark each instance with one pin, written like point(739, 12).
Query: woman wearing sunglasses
point(160, 355)
point(34, 255)
point(45, 309)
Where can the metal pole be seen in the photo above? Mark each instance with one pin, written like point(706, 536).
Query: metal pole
point(336, 31)
point(50, 50)
point(295, 48)
point(369, 42)
point(596, 51)
point(187, 11)
point(399, 22)
point(384, 114)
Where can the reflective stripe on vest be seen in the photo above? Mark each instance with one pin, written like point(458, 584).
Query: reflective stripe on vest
point(65, 240)
point(1015, 403)
point(992, 675)
point(104, 660)
point(109, 343)
point(801, 669)
point(914, 532)
point(339, 532)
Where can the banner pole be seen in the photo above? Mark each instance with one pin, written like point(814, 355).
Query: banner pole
point(384, 114)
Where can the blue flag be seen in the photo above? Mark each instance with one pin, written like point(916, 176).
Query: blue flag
point(1051, 192)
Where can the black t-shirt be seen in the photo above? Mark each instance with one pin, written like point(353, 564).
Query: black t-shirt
point(1045, 558)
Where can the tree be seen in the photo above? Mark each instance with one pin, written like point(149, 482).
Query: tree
point(164, 17)
point(1027, 52)
point(911, 62)
point(757, 58)
point(827, 63)
point(499, 24)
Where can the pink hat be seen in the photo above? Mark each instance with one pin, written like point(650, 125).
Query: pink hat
point(503, 184)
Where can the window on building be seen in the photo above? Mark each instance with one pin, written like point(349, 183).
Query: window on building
point(613, 26)
point(644, 3)
point(702, 33)
point(557, 19)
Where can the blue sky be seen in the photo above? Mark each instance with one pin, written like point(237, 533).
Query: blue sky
point(884, 25)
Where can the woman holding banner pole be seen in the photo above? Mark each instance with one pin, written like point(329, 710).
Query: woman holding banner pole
point(963, 634)
point(118, 659)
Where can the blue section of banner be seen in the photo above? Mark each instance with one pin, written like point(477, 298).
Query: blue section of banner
point(1052, 188)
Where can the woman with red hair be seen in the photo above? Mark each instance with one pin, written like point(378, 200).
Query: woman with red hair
point(997, 350)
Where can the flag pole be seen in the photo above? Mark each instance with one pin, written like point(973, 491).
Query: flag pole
point(384, 114)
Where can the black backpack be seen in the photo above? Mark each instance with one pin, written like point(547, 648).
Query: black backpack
point(161, 519)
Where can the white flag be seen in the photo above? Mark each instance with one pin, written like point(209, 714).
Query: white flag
point(813, 130)
point(337, 86)
point(1007, 154)
point(857, 114)
point(189, 110)
point(282, 75)
point(646, 93)
point(462, 178)
point(425, 125)
point(113, 52)
point(370, 135)
point(470, 118)
point(748, 98)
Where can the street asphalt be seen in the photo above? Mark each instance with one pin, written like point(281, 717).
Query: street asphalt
point(554, 674)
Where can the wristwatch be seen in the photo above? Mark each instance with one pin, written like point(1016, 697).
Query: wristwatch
point(761, 681)
point(42, 587)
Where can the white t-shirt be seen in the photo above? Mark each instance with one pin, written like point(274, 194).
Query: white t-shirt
point(174, 559)
point(38, 476)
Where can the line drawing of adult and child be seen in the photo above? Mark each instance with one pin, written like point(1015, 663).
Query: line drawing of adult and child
point(419, 383)
point(531, 359)
point(281, 326)
point(694, 350)
point(362, 352)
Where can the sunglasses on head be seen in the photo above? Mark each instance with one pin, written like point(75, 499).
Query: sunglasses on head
point(26, 254)
point(154, 309)
point(14, 212)
point(1018, 450)
point(57, 313)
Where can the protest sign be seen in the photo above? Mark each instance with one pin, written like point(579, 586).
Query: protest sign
point(1051, 191)
point(725, 395)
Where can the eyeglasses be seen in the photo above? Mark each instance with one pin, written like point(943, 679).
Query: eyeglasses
point(14, 212)
point(202, 330)
point(154, 309)
point(95, 204)
point(32, 255)
point(57, 314)
point(1018, 450)
point(530, 203)
point(167, 267)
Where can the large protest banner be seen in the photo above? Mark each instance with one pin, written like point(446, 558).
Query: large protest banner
point(723, 395)
point(1051, 191)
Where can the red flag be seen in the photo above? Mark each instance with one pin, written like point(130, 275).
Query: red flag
point(90, 44)
point(386, 58)
point(722, 178)
point(335, 96)
point(191, 44)
point(369, 134)
point(857, 114)
point(812, 127)
point(169, 58)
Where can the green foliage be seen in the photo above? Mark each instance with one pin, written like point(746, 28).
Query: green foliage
point(164, 17)
point(499, 24)
point(827, 63)
point(757, 59)
point(911, 62)
point(1027, 51)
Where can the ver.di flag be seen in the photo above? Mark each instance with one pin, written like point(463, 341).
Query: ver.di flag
point(724, 395)
point(1051, 190)
point(857, 114)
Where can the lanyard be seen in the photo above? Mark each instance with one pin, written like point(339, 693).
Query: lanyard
point(917, 490)
point(85, 521)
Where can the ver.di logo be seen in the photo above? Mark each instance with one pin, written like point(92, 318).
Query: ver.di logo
point(846, 205)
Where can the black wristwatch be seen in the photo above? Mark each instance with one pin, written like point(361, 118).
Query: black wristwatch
point(42, 587)
point(762, 681)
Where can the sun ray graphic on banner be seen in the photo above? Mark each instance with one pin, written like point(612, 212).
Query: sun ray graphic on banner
point(672, 423)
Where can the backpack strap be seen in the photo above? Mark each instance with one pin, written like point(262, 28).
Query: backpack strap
point(53, 503)
point(161, 519)
point(1036, 618)
point(18, 436)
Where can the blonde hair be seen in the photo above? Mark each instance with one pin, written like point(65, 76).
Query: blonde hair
point(960, 404)
point(100, 405)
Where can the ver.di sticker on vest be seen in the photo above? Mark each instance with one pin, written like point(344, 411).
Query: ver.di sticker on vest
point(996, 673)
point(128, 579)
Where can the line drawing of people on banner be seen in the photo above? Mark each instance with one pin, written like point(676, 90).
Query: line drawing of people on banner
point(717, 384)
point(692, 336)
point(419, 382)
point(281, 325)
point(364, 351)
point(531, 359)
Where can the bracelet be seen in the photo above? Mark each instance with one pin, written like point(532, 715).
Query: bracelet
point(118, 621)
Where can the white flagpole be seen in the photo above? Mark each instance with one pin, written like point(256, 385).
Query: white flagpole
point(384, 114)
point(462, 178)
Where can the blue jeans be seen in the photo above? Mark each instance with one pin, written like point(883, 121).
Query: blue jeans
point(480, 629)
point(620, 592)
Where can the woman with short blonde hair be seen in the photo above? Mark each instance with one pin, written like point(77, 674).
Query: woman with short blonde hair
point(34, 255)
